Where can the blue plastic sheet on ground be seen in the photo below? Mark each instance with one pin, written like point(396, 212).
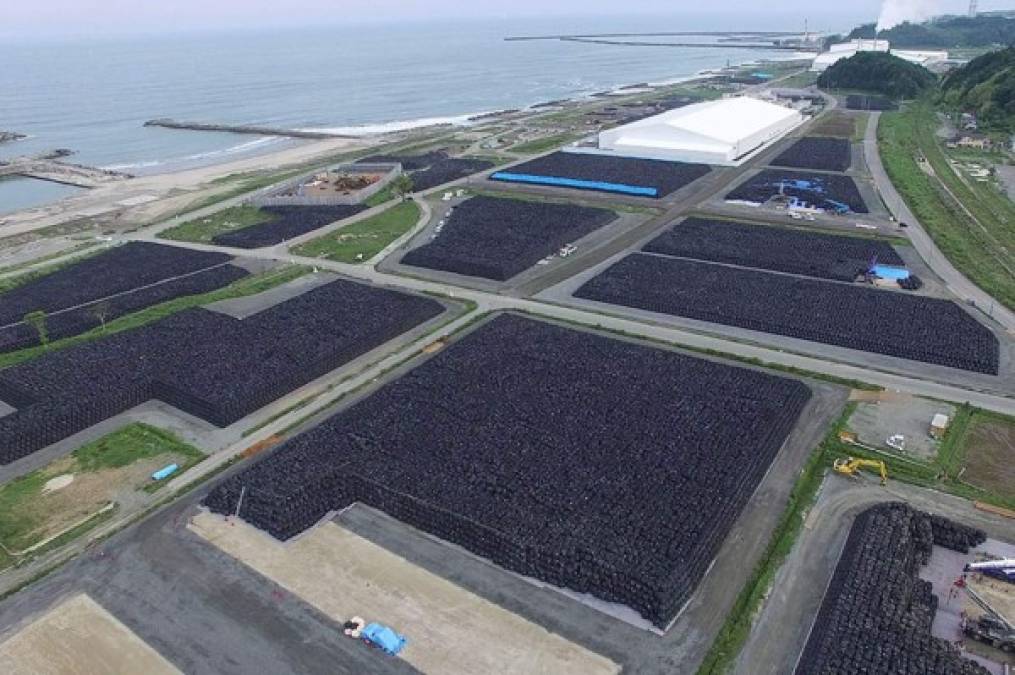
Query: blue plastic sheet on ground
point(576, 183)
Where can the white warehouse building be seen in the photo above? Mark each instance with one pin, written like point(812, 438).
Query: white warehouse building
point(722, 132)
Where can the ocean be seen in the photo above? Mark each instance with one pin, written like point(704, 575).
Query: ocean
point(93, 95)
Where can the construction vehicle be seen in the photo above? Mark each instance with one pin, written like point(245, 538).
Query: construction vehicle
point(991, 628)
point(850, 465)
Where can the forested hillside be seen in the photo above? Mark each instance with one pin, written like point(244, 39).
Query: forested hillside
point(878, 72)
point(959, 31)
point(984, 86)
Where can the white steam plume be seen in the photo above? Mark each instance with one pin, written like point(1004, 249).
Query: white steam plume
point(894, 12)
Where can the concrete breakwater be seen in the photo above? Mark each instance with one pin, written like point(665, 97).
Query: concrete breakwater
point(242, 129)
point(44, 167)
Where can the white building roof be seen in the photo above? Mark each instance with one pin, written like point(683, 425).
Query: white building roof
point(713, 125)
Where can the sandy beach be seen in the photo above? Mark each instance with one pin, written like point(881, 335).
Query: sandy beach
point(144, 198)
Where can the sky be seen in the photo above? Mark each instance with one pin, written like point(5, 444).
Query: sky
point(26, 19)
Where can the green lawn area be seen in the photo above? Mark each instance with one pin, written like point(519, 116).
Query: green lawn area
point(247, 286)
point(11, 282)
point(203, 230)
point(544, 144)
point(982, 248)
point(382, 196)
point(799, 80)
point(363, 239)
point(70, 494)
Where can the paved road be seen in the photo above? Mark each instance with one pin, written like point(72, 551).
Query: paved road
point(492, 301)
point(954, 280)
point(781, 630)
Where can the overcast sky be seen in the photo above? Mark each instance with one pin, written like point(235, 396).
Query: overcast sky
point(28, 18)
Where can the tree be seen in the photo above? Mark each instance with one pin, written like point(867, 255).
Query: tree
point(402, 185)
point(101, 311)
point(878, 72)
point(37, 320)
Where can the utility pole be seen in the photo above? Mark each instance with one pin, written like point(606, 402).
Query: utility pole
point(972, 7)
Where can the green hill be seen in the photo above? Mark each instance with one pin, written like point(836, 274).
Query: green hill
point(954, 31)
point(984, 86)
point(880, 73)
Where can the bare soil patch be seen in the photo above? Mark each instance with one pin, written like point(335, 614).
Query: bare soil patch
point(990, 456)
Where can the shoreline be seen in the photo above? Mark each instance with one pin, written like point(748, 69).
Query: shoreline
point(371, 130)
point(151, 196)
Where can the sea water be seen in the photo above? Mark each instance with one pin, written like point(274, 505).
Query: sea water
point(93, 95)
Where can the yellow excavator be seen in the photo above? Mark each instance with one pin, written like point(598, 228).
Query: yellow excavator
point(850, 465)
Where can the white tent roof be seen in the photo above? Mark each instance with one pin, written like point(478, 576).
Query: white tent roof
point(715, 123)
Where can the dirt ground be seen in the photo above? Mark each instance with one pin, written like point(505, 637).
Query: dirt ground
point(990, 456)
point(79, 637)
point(59, 509)
point(449, 629)
point(835, 124)
point(906, 415)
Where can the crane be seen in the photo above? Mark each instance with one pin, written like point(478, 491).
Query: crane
point(850, 465)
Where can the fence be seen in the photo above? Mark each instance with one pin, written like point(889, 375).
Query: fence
point(277, 197)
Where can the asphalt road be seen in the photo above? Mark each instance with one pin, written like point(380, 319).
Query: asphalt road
point(958, 284)
point(780, 631)
point(491, 301)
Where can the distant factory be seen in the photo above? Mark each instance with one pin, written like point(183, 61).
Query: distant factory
point(844, 50)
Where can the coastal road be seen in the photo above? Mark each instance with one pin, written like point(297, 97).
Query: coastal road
point(956, 282)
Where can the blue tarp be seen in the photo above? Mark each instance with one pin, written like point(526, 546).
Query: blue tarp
point(576, 183)
point(890, 272)
point(384, 638)
point(165, 472)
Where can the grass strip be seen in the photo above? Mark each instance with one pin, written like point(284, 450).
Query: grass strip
point(203, 230)
point(543, 144)
point(971, 245)
point(247, 286)
point(363, 239)
point(737, 628)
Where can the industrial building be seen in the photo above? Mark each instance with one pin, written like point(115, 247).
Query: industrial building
point(723, 132)
point(844, 50)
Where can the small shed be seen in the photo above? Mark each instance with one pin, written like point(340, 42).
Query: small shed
point(939, 425)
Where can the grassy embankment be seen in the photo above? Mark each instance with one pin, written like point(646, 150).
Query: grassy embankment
point(943, 473)
point(247, 286)
point(203, 230)
point(79, 248)
point(34, 510)
point(13, 281)
point(544, 144)
point(365, 238)
point(975, 232)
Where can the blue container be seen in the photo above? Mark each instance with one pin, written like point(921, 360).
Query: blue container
point(165, 472)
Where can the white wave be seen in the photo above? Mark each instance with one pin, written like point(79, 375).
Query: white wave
point(247, 146)
point(399, 125)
